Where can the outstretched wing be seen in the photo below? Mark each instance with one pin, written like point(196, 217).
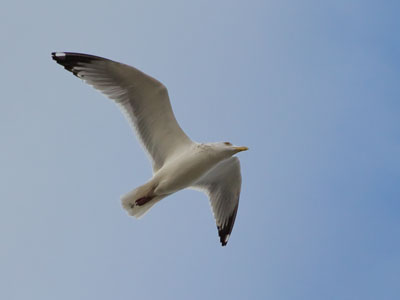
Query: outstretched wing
point(143, 100)
point(222, 185)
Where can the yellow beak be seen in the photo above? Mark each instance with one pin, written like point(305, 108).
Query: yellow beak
point(238, 149)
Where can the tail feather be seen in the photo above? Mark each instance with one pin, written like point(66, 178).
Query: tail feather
point(129, 201)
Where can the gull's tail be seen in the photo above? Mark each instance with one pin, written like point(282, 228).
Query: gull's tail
point(129, 200)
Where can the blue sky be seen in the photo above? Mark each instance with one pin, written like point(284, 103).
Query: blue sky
point(311, 87)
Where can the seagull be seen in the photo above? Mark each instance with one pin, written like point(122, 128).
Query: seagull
point(177, 161)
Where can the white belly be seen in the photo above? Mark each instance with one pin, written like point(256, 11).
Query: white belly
point(182, 172)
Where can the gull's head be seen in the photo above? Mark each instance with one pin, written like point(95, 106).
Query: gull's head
point(227, 149)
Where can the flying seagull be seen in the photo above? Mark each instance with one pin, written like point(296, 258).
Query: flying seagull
point(177, 161)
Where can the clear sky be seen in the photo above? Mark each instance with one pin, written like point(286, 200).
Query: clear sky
point(311, 87)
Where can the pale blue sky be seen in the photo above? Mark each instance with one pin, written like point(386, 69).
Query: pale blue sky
point(311, 87)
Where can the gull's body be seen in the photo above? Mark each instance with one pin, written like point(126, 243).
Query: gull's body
point(177, 161)
point(184, 170)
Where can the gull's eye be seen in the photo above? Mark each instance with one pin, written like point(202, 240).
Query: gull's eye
point(227, 143)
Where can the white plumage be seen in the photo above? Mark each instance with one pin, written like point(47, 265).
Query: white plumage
point(177, 161)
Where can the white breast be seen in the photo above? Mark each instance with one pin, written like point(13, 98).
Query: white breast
point(182, 171)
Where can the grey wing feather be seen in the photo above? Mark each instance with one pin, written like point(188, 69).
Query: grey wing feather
point(142, 99)
point(222, 184)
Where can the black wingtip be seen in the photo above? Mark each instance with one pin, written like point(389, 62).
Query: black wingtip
point(56, 55)
point(69, 60)
point(224, 232)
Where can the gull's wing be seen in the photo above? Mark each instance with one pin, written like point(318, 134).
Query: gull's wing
point(222, 185)
point(143, 99)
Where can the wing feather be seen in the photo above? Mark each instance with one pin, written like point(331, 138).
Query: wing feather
point(143, 100)
point(222, 184)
